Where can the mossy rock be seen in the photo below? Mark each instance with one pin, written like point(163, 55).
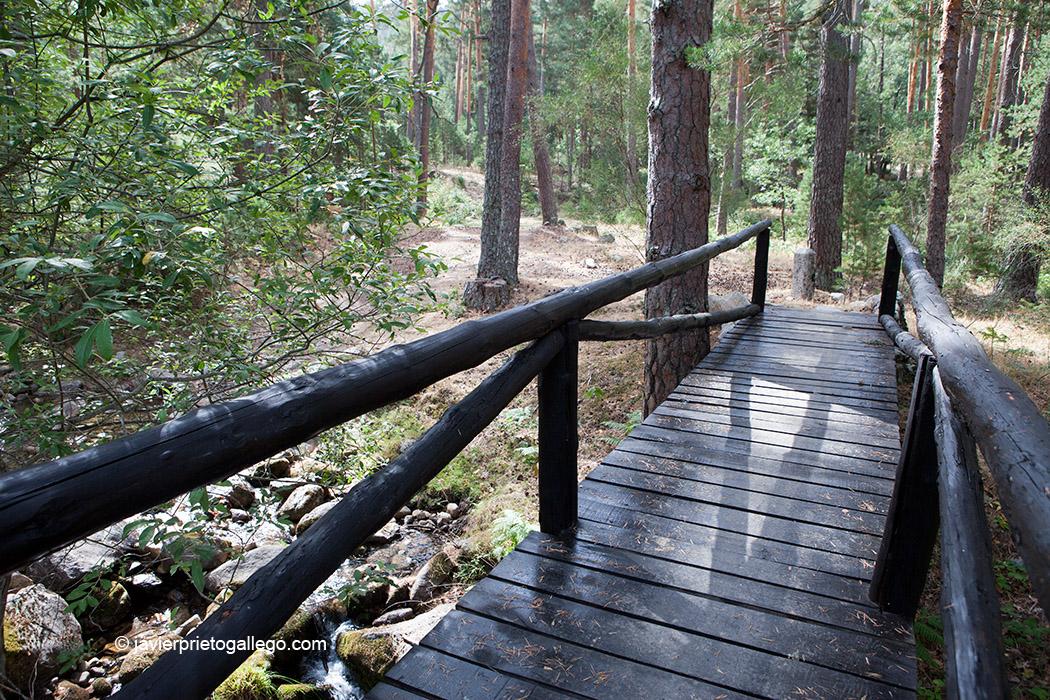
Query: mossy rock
point(368, 658)
point(251, 680)
point(301, 691)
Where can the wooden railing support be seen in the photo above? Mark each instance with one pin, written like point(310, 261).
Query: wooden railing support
point(912, 521)
point(758, 289)
point(559, 437)
point(891, 274)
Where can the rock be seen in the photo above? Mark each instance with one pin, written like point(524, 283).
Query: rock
point(113, 606)
point(869, 305)
point(368, 658)
point(210, 550)
point(235, 572)
point(188, 626)
point(71, 691)
point(606, 238)
point(302, 691)
point(82, 678)
point(403, 513)
point(394, 616)
point(277, 467)
point(145, 650)
point(101, 687)
point(410, 551)
point(837, 297)
point(802, 280)
point(252, 679)
point(145, 581)
point(38, 634)
point(313, 516)
point(587, 229)
point(63, 569)
point(442, 519)
point(239, 516)
point(434, 574)
point(18, 582)
point(267, 534)
point(386, 534)
point(308, 468)
point(726, 302)
point(301, 501)
point(590, 264)
point(453, 509)
point(239, 493)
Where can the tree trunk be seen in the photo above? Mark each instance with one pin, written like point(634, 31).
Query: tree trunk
point(413, 66)
point(540, 151)
point(493, 263)
point(854, 60)
point(725, 180)
point(425, 107)
point(941, 160)
point(679, 186)
point(965, 85)
point(829, 153)
point(740, 113)
point(632, 72)
point(1021, 277)
point(991, 82)
point(1009, 81)
point(510, 153)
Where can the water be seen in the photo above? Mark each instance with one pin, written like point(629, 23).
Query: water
point(328, 672)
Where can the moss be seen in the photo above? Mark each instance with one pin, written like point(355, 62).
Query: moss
point(301, 691)
point(251, 681)
point(367, 658)
point(456, 483)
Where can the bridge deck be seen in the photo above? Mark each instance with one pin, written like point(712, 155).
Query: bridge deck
point(724, 548)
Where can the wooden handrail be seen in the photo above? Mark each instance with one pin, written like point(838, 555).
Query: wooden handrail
point(50, 505)
point(1008, 427)
point(655, 327)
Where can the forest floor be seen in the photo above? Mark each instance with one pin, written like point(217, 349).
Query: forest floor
point(497, 472)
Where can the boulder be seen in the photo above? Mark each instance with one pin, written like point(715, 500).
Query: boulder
point(235, 572)
point(370, 652)
point(313, 516)
point(238, 494)
point(726, 302)
point(434, 574)
point(277, 467)
point(145, 649)
point(65, 690)
point(394, 616)
point(385, 535)
point(267, 534)
point(301, 501)
point(62, 570)
point(453, 509)
point(302, 691)
point(101, 687)
point(38, 634)
point(18, 582)
point(113, 606)
point(252, 679)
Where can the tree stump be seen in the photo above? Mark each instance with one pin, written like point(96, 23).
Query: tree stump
point(802, 273)
point(486, 294)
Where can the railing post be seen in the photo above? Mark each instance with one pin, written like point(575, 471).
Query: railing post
point(912, 521)
point(890, 278)
point(559, 437)
point(758, 290)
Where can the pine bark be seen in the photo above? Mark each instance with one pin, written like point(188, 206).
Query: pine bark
point(829, 153)
point(540, 150)
point(965, 84)
point(425, 107)
point(854, 61)
point(632, 72)
point(1009, 79)
point(679, 186)
point(722, 222)
point(991, 82)
point(1021, 278)
point(494, 262)
point(743, 76)
point(941, 159)
point(413, 66)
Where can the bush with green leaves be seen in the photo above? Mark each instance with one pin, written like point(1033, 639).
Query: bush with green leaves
point(197, 197)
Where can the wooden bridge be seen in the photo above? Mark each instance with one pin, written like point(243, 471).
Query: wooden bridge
point(764, 533)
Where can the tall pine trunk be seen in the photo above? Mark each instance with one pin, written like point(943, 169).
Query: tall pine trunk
point(965, 84)
point(540, 151)
point(1021, 269)
point(679, 186)
point(829, 152)
point(490, 290)
point(941, 160)
point(1009, 79)
point(991, 81)
point(632, 72)
point(425, 107)
point(725, 180)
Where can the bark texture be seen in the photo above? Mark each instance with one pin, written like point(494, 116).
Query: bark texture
point(1021, 269)
point(965, 83)
point(1008, 80)
point(425, 110)
point(540, 150)
point(829, 152)
point(941, 159)
point(679, 186)
point(493, 261)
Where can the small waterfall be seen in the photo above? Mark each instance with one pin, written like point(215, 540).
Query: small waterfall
point(328, 672)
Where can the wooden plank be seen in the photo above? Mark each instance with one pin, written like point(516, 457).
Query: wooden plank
point(873, 338)
point(785, 530)
point(571, 667)
point(723, 542)
point(801, 356)
point(820, 315)
point(805, 381)
point(771, 389)
point(748, 481)
point(807, 458)
point(802, 343)
point(797, 638)
point(877, 486)
point(823, 447)
point(764, 398)
point(672, 648)
point(749, 581)
point(811, 428)
point(384, 691)
point(436, 674)
point(726, 404)
point(785, 368)
point(859, 331)
point(764, 503)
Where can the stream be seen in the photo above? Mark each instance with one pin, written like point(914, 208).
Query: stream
point(325, 670)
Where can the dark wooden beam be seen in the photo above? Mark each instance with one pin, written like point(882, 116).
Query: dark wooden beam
point(905, 341)
point(890, 279)
point(969, 602)
point(50, 505)
point(559, 437)
point(1009, 428)
point(911, 523)
point(639, 330)
point(758, 288)
point(272, 595)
